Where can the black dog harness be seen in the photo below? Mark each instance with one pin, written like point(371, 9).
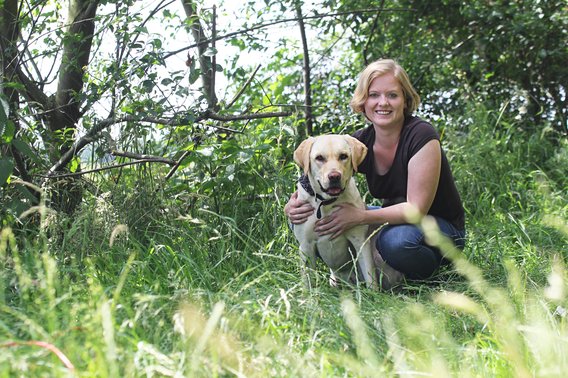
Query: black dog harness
point(305, 182)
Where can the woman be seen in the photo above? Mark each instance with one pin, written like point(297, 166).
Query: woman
point(405, 167)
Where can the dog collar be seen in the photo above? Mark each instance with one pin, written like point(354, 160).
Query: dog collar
point(305, 182)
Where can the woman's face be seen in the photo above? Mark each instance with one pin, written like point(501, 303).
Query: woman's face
point(385, 103)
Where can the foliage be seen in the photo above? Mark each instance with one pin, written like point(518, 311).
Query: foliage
point(200, 291)
point(452, 48)
point(193, 271)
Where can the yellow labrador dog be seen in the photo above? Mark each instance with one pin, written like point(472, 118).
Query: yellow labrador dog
point(328, 162)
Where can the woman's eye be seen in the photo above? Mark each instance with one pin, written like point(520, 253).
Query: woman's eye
point(393, 95)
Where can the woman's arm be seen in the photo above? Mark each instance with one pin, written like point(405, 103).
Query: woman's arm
point(297, 211)
point(423, 176)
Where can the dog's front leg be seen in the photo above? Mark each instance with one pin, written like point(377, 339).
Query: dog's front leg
point(364, 258)
point(367, 266)
point(308, 255)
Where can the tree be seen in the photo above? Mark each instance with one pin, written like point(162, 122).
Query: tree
point(504, 53)
point(56, 115)
point(50, 126)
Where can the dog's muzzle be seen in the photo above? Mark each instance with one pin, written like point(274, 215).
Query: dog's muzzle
point(334, 187)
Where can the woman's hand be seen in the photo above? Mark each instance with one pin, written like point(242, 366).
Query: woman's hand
point(344, 217)
point(298, 211)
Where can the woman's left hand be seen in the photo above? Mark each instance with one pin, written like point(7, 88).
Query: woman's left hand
point(344, 217)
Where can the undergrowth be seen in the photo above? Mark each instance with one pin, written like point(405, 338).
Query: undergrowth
point(154, 282)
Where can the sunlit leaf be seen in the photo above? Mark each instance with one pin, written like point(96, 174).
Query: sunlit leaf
point(6, 168)
point(74, 165)
point(8, 132)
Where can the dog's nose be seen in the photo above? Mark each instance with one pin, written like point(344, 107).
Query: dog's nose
point(334, 177)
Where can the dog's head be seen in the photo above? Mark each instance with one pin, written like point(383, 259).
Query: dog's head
point(329, 161)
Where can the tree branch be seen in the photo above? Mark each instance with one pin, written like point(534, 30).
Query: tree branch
point(177, 120)
point(243, 88)
point(213, 58)
point(75, 174)
point(132, 155)
point(295, 19)
point(77, 44)
point(242, 117)
point(32, 92)
point(176, 166)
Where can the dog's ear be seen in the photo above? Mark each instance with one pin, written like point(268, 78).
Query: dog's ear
point(358, 151)
point(302, 154)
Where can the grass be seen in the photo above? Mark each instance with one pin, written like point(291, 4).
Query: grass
point(201, 292)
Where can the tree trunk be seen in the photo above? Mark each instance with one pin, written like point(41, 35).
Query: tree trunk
point(76, 50)
point(9, 30)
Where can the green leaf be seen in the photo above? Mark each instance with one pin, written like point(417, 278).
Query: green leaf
point(210, 51)
point(194, 75)
point(6, 168)
point(8, 132)
point(74, 164)
point(148, 85)
point(4, 109)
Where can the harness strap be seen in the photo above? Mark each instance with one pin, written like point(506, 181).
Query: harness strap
point(323, 203)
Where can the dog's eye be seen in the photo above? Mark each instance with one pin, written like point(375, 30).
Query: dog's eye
point(343, 157)
point(320, 158)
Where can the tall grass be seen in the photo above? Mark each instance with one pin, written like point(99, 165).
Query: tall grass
point(215, 291)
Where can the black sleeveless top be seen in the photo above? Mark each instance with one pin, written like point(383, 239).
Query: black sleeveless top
point(391, 187)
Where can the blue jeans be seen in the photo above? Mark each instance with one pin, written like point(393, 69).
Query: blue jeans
point(402, 246)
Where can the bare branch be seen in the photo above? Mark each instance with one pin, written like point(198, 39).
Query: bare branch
point(176, 166)
point(242, 117)
point(212, 94)
point(161, 5)
point(114, 166)
point(244, 87)
point(32, 92)
point(132, 155)
point(295, 19)
point(226, 118)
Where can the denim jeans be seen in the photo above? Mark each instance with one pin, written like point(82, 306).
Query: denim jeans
point(402, 246)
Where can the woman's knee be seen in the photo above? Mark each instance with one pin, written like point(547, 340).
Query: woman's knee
point(403, 248)
point(394, 239)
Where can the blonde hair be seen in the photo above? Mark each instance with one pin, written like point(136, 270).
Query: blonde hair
point(379, 68)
